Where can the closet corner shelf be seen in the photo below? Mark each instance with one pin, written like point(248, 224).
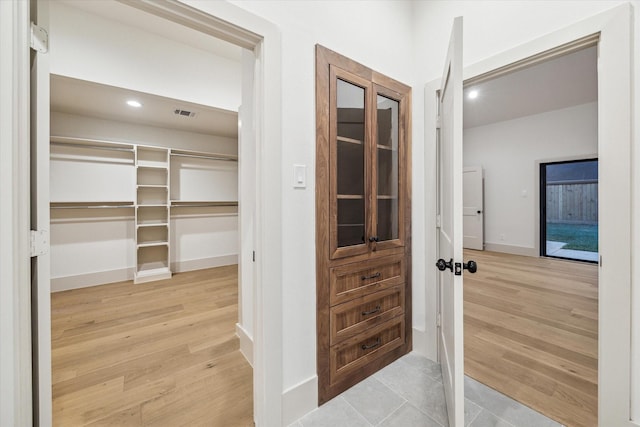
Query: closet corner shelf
point(151, 225)
point(150, 244)
point(144, 166)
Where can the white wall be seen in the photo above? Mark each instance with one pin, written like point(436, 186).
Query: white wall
point(508, 151)
point(377, 35)
point(89, 47)
point(90, 247)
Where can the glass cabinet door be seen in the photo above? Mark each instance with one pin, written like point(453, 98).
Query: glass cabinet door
point(387, 169)
point(350, 200)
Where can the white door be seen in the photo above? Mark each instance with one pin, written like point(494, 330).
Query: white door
point(450, 342)
point(40, 261)
point(473, 210)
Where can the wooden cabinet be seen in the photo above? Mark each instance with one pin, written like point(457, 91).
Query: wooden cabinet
point(363, 253)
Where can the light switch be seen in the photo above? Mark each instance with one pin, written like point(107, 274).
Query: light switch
point(299, 176)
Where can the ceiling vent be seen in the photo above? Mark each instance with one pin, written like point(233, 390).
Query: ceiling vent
point(183, 113)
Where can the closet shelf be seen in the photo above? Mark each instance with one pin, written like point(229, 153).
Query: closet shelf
point(154, 243)
point(150, 225)
point(143, 166)
point(204, 155)
point(91, 143)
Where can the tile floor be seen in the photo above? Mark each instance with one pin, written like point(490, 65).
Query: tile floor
point(409, 393)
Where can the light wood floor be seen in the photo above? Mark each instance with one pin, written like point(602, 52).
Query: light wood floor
point(531, 332)
point(155, 354)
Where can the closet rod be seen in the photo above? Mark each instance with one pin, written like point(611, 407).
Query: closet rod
point(93, 147)
point(92, 207)
point(202, 205)
point(197, 156)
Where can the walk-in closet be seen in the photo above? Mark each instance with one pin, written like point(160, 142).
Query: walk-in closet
point(145, 221)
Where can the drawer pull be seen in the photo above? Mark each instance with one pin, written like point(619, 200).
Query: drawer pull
point(370, 346)
point(375, 310)
point(373, 276)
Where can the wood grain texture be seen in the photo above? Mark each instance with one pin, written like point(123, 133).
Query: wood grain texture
point(531, 332)
point(162, 353)
point(330, 258)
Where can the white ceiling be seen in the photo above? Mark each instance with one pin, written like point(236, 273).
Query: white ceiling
point(558, 83)
point(81, 97)
point(131, 16)
point(93, 99)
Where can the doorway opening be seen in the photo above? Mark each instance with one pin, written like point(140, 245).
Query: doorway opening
point(514, 123)
point(257, 41)
point(569, 210)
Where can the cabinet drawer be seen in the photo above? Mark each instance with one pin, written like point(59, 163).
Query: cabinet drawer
point(362, 278)
point(356, 352)
point(356, 316)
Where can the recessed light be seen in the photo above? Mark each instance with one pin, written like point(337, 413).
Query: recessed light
point(134, 103)
point(473, 94)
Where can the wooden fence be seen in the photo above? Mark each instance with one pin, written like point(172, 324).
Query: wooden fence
point(572, 202)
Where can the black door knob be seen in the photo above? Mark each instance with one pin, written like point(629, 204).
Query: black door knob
point(443, 265)
point(472, 266)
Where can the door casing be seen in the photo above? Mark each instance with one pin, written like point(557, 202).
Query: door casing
point(612, 29)
point(244, 29)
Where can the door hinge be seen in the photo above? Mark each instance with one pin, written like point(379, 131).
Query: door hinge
point(438, 221)
point(253, 257)
point(439, 320)
point(438, 122)
point(39, 242)
point(600, 260)
point(39, 39)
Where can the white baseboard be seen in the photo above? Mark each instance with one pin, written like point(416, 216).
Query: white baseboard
point(246, 343)
point(199, 264)
point(91, 279)
point(510, 249)
point(102, 277)
point(420, 343)
point(299, 400)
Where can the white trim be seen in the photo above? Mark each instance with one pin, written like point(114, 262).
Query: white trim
point(246, 343)
point(88, 280)
point(510, 249)
point(202, 263)
point(15, 284)
point(299, 400)
point(420, 343)
point(243, 28)
point(614, 26)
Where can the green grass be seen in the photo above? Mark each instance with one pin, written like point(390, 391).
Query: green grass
point(577, 236)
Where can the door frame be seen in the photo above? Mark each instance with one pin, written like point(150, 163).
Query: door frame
point(613, 31)
point(242, 28)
